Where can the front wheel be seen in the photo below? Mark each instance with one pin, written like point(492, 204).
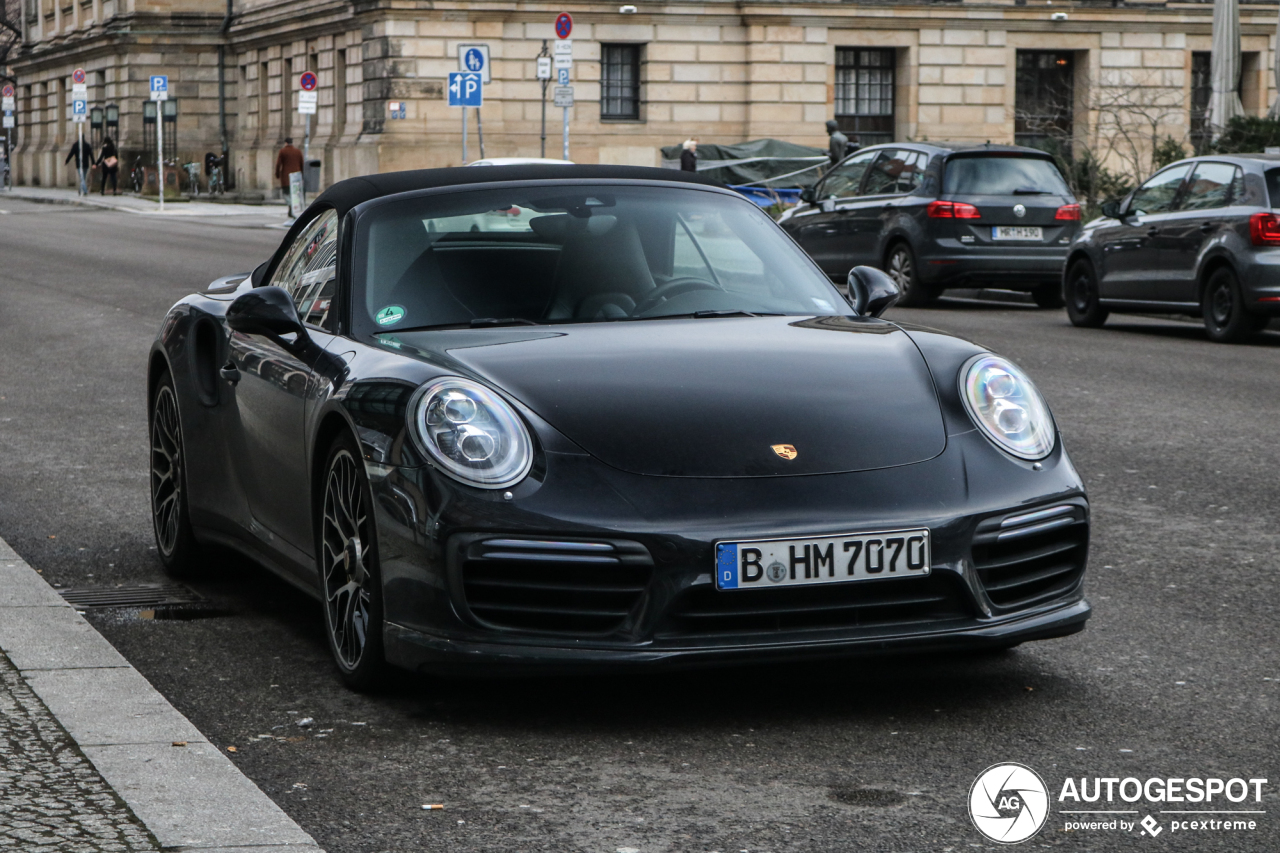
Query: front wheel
point(901, 267)
point(1084, 307)
point(349, 573)
point(170, 517)
point(1225, 317)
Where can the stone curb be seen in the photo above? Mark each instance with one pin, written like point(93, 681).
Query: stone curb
point(191, 798)
point(143, 207)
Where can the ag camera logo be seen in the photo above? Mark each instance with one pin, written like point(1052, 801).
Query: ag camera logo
point(1008, 803)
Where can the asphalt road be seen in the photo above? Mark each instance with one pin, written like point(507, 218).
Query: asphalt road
point(1177, 675)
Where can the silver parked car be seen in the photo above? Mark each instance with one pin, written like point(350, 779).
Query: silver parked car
point(1202, 236)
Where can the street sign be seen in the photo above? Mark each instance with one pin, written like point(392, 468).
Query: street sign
point(564, 96)
point(564, 25)
point(396, 109)
point(307, 103)
point(475, 58)
point(159, 87)
point(8, 120)
point(307, 82)
point(564, 54)
point(562, 76)
point(544, 68)
point(7, 91)
point(79, 110)
point(466, 89)
point(77, 76)
point(7, 102)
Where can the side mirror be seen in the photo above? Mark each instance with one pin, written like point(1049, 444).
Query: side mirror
point(1111, 209)
point(808, 195)
point(266, 311)
point(871, 292)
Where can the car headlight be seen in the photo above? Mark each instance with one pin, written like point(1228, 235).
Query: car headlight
point(472, 433)
point(1006, 405)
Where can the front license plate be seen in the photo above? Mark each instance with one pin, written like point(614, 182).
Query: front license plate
point(1017, 232)
point(770, 563)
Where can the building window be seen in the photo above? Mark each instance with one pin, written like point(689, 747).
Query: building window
point(620, 81)
point(1044, 100)
point(865, 93)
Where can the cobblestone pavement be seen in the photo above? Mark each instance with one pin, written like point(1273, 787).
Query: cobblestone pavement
point(52, 800)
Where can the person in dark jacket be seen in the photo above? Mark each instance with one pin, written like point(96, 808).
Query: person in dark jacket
point(80, 149)
point(839, 144)
point(689, 156)
point(109, 160)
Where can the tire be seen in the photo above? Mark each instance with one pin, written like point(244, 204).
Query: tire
point(1225, 318)
point(347, 558)
point(1081, 295)
point(170, 515)
point(1048, 296)
point(900, 264)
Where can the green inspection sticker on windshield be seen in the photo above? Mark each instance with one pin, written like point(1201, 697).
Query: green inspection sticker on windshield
point(390, 315)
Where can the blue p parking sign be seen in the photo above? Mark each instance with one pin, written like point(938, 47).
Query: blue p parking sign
point(466, 89)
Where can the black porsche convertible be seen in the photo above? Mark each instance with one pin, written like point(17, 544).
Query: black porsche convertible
point(569, 416)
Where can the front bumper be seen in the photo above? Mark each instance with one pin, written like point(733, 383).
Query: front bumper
point(454, 600)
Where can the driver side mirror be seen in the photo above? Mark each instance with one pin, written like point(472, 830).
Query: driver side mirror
point(871, 292)
point(1111, 209)
point(808, 195)
point(266, 311)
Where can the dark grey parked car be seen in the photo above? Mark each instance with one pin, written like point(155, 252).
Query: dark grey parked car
point(1199, 237)
point(935, 215)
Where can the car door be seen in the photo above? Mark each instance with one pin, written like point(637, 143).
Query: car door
point(824, 229)
point(1201, 216)
point(1129, 248)
point(277, 379)
point(894, 174)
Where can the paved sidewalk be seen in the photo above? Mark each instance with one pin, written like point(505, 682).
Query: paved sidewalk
point(133, 204)
point(92, 758)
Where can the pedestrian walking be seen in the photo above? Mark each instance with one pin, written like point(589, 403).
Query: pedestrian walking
point(109, 160)
point(80, 149)
point(839, 144)
point(689, 156)
point(288, 161)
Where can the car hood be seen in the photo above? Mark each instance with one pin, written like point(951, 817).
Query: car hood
point(712, 397)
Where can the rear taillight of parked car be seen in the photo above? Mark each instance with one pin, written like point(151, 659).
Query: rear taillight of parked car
point(1068, 211)
point(952, 210)
point(1264, 229)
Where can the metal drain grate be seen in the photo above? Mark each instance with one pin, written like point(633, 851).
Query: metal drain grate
point(136, 597)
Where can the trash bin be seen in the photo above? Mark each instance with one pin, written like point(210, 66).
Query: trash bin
point(311, 176)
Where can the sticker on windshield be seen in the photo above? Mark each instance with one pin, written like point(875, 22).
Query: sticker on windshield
point(390, 315)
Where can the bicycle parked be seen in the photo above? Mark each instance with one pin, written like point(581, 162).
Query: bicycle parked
point(193, 177)
point(138, 176)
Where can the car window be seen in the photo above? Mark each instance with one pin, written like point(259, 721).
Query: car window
point(1002, 175)
point(1273, 186)
point(1159, 193)
point(1237, 187)
point(895, 171)
point(576, 254)
point(307, 270)
point(844, 180)
point(1210, 186)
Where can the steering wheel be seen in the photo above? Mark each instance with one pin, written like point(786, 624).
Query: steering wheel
point(675, 287)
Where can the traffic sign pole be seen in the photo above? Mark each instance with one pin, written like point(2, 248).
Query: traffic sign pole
point(160, 150)
point(564, 62)
point(464, 136)
point(546, 78)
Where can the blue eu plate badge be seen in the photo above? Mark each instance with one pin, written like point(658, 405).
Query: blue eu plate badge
point(727, 565)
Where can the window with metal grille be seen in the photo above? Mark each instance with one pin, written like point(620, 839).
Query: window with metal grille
point(865, 93)
point(170, 129)
point(620, 81)
point(1044, 100)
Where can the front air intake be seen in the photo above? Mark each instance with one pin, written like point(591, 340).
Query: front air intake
point(1031, 556)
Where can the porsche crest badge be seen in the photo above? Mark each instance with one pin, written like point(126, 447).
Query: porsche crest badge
point(786, 451)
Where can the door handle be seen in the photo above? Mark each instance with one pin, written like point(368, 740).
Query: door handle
point(230, 372)
point(1152, 231)
point(1206, 227)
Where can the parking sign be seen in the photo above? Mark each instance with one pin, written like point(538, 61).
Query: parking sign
point(474, 58)
point(466, 89)
point(160, 87)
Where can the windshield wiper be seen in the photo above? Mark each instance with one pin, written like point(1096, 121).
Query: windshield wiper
point(504, 321)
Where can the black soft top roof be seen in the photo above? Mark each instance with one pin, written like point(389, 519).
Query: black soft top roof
point(345, 195)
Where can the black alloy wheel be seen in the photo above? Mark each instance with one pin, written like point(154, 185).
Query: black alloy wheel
point(1225, 317)
point(175, 542)
point(1084, 308)
point(348, 558)
point(1048, 296)
point(901, 267)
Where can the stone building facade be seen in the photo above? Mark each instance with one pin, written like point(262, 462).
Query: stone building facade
point(963, 70)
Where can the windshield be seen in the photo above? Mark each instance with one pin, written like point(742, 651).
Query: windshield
point(1003, 176)
point(574, 254)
